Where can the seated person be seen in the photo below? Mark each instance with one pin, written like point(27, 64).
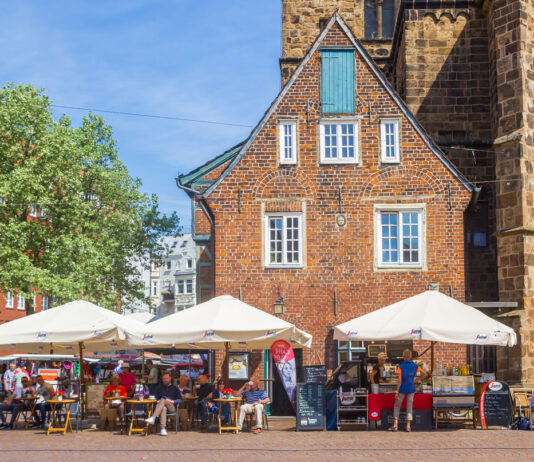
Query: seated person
point(127, 379)
point(377, 374)
point(152, 377)
point(183, 382)
point(255, 400)
point(225, 409)
point(115, 389)
point(45, 391)
point(168, 397)
point(183, 386)
point(204, 394)
point(12, 406)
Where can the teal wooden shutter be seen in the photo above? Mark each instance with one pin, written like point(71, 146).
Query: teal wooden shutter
point(337, 81)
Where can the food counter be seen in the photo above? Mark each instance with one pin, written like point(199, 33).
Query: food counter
point(386, 401)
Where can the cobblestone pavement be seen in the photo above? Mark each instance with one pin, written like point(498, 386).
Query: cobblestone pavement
point(280, 444)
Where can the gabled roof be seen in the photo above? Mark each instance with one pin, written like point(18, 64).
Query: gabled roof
point(239, 151)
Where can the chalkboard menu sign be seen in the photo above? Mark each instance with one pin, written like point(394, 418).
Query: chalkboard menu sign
point(496, 409)
point(311, 406)
point(315, 374)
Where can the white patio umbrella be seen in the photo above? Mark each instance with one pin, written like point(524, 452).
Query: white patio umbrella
point(431, 316)
point(223, 322)
point(74, 326)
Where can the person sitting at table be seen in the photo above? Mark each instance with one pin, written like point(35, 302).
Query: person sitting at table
point(406, 372)
point(204, 394)
point(213, 406)
point(377, 374)
point(183, 383)
point(255, 400)
point(127, 379)
point(45, 391)
point(19, 375)
point(115, 389)
point(168, 397)
point(12, 406)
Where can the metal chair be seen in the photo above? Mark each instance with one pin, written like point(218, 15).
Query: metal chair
point(522, 405)
point(76, 411)
point(250, 416)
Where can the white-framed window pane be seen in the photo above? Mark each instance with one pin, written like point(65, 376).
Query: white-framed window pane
point(189, 284)
point(181, 287)
point(284, 240)
point(390, 241)
point(190, 263)
point(168, 265)
point(275, 240)
point(44, 302)
point(9, 299)
point(33, 211)
point(154, 288)
point(389, 132)
point(330, 141)
point(288, 142)
point(347, 141)
point(21, 302)
point(400, 238)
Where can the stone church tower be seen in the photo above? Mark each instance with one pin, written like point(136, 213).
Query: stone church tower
point(465, 68)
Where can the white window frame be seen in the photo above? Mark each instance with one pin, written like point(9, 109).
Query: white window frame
point(168, 265)
point(383, 145)
point(189, 263)
point(45, 306)
point(420, 209)
point(283, 215)
point(282, 141)
point(338, 122)
point(9, 299)
point(21, 306)
point(189, 286)
point(33, 210)
point(180, 286)
point(154, 288)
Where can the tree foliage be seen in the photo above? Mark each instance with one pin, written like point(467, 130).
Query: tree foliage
point(94, 228)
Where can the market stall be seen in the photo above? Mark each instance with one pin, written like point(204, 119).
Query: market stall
point(434, 317)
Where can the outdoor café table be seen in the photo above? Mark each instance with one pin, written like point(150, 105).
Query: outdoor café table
point(189, 401)
point(230, 401)
point(54, 422)
point(123, 399)
point(28, 405)
point(147, 403)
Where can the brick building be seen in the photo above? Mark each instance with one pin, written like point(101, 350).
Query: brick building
point(312, 209)
point(465, 69)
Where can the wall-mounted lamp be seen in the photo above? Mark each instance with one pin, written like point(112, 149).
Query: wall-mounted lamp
point(279, 305)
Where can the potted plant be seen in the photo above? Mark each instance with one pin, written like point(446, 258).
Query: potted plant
point(227, 393)
point(59, 395)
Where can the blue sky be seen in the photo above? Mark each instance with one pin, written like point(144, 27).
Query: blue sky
point(210, 59)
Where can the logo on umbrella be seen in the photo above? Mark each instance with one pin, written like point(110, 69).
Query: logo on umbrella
point(352, 333)
point(270, 333)
point(97, 333)
point(208, 333)
point(481, 338)
point(41, 334)
point(416, 332)
point(148, 337)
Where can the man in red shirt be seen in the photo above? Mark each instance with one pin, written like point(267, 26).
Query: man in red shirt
point(127, 379)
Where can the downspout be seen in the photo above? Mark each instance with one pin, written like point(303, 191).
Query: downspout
point(205, 208)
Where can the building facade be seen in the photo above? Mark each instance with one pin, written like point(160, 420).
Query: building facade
point(465, 69)
point(337, 204)
point(172, 286)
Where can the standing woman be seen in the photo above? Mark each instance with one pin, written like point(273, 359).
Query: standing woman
point(378, 372)
point(407, 371)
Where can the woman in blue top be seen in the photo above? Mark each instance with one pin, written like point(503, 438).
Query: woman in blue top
point(407, 372)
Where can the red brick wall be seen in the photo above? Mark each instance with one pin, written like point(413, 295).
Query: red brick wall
point(336, 258)
point(9, 314)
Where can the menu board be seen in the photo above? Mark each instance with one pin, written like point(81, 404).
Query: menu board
point(311, 406)
point(496, 408)
point(315, 374)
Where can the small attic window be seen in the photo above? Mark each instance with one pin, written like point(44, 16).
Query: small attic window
point(322, 23)
point(337, 81)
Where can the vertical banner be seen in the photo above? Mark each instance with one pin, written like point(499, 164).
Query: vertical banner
point(284, 358)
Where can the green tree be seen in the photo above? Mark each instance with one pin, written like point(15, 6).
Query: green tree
point(94, 228)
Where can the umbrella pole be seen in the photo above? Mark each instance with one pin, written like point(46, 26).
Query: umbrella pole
point(432, 357)
point(81, 381)
point(189, 370)
point(142, 365)
point(226, 362)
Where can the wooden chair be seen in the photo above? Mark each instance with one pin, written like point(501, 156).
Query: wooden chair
point(522, 405)
point(251, 417)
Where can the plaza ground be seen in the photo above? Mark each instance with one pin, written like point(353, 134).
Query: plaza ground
point(281, 443)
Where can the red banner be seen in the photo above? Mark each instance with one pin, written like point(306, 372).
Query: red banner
point(284, 358)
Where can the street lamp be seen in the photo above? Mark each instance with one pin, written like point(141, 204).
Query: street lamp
point(279, 305)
